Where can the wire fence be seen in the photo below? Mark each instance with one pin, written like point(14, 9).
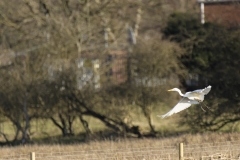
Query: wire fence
point(107, 154)
point(225, 150)
point(204, 151)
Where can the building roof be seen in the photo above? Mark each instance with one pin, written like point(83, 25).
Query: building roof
point(216, 1)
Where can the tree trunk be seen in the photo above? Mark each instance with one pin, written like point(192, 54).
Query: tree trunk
point(25, 137)
point(70, 124)
point(117, 125)
point(85, 125)
point(65, 127)
point(149, 119)
point(147, 114)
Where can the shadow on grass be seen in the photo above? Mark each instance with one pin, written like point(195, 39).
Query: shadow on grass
point(83, 138)
point(103, 135)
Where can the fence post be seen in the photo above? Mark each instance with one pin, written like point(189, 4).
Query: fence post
point(32, 156)
point(181, 151)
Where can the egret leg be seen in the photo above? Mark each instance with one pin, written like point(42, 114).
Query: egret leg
point(203, 109)
point(206, 106)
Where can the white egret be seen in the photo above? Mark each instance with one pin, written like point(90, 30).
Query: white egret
point(189, 98)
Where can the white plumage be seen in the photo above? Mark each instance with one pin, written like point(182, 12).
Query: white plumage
point(189, 98)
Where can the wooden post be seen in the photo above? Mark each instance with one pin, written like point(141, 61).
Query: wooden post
point(181, 151)
point(32, 156)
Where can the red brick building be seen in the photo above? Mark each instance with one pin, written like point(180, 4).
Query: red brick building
point(117, 71)
point(225, 12)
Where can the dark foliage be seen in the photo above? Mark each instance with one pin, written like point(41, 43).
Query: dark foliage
point(212, 52)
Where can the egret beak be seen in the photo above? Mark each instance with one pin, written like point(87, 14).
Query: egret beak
point(169, 90)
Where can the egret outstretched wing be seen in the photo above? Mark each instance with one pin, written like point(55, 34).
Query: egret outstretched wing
point(203, 91)
point(184, 103)
point(206, 90)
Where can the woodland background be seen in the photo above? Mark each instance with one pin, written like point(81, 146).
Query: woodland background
point(84, 69)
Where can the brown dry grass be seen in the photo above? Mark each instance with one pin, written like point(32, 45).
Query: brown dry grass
point(131, 148)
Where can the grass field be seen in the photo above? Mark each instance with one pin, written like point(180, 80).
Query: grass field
point(45, 131)
point(213, 143)
point(48, 143)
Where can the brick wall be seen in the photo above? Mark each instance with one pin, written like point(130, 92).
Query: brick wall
point(227, 14)
point(118, 66)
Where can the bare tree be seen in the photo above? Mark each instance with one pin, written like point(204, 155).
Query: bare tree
point(55, 47)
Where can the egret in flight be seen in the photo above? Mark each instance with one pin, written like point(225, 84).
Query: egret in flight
point(189, 98)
